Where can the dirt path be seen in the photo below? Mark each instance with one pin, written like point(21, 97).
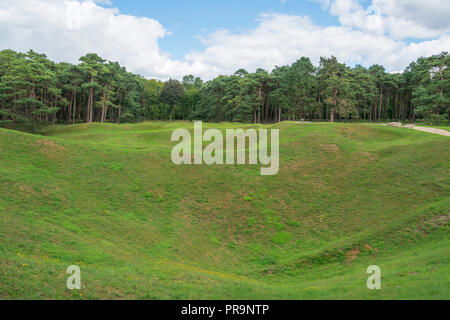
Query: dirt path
point(424, 129)
point(433, 130)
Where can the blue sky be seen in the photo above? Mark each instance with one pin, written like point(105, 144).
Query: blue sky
point(171, 38)
point(188, 19)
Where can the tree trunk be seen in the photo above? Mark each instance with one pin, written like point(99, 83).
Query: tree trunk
point(74, 105)
point(375, 111)
point(386, 106)
point(259, 114)
point(267, 107)
point(381, 103)
point(102, 120)
point(69, 113)
point(396, 107)
point(91, 102)
point(120, 108)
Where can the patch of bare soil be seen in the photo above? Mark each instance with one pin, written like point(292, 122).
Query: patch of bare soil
point(441, 220)
point(352, 254)
point(330, 147)
point(49, 145)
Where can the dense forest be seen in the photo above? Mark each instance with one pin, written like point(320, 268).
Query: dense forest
point(35, 91)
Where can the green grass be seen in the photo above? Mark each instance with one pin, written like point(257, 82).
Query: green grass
point(108, 198)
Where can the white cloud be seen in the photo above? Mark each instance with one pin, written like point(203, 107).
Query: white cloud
point(400, 19)
point(281, 39)
point(66, 30)
point(432, 14)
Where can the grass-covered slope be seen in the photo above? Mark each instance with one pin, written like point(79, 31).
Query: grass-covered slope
point(109, 199)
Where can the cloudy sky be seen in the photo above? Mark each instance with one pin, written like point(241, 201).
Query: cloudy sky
point(172, 38)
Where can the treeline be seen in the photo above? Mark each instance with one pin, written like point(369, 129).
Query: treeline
point(36, 91)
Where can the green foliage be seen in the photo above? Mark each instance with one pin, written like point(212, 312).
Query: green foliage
point(431, 90)
point(128, 118)
point(172, 94)
point(35, 91)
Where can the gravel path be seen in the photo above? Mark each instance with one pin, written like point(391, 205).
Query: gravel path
point(424, 129)
point(433, 130)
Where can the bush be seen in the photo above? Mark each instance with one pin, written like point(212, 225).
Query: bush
point(436, 119)
point(128, 118)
